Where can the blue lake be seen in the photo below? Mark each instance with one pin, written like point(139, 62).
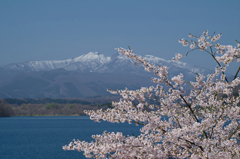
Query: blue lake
point(43, 137)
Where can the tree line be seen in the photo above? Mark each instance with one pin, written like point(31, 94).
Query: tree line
point(20, 101)
point(49, 106)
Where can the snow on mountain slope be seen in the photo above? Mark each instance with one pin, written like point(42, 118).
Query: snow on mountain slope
point(96, 62)
point(171, 64)
point(37, 65)
point(88, 61)
point(92, 56)
point(118, 64)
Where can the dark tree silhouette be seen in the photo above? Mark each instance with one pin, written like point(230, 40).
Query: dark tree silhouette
point(5, 109)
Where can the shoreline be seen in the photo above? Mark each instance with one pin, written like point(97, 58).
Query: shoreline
point(36, 115)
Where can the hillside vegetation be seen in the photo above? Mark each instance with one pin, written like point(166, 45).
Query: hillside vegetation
point(52, 107)
point(57, 107)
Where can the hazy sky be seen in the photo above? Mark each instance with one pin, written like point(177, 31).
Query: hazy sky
point(62, 29)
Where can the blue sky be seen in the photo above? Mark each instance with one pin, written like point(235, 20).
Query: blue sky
point(61, 29)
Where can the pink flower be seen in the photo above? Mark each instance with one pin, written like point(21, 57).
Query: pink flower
point(201, 124)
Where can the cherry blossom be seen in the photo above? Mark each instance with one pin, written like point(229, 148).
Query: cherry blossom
point(204, 123)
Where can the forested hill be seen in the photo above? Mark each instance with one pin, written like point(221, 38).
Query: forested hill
point(53, 107)
point(45, 101)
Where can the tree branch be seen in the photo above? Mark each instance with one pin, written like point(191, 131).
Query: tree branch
point(236, 73)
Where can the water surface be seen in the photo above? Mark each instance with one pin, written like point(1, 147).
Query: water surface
point(43, 137)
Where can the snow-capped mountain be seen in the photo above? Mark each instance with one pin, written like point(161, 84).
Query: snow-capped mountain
point(96, 62)
point(88, 62)
point(91, 61)
point(84, 76)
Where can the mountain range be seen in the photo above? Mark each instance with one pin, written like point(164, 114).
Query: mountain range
point(84, 76)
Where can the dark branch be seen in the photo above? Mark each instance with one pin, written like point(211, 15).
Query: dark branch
point(236, 73)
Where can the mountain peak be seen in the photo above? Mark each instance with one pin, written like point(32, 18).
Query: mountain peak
point(93, 53)
point(92, 56)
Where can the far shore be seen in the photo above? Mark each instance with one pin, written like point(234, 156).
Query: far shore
point(46, 115)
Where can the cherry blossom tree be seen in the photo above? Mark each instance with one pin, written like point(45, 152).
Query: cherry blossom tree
point(204, 123)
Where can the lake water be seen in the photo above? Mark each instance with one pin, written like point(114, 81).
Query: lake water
point(43, 137)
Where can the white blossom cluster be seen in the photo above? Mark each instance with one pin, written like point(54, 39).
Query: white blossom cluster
point(202, 124)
